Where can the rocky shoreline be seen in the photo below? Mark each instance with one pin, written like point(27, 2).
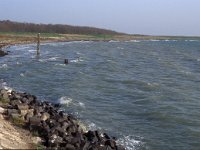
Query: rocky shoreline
point(57, 129)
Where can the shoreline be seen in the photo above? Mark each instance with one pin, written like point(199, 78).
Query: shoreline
point(54, 128)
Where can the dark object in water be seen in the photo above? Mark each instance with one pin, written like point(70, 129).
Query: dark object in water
point(66, 61)
point(2, 53)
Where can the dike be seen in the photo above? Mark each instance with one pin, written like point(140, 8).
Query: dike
point(56, 129)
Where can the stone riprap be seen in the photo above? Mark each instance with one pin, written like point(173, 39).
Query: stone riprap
point(57, 129)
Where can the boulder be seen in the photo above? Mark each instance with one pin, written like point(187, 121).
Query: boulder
point(22, 106)
point(2, 110)
point(12, 111)
point(45, 116)
point(35, 121)
point(70, 147)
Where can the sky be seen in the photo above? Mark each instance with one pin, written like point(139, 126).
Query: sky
point(149, 17)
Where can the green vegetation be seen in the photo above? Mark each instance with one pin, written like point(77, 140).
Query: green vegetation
point(39, 146)
point(18, 121)
point(4, 100)
point(10, 26)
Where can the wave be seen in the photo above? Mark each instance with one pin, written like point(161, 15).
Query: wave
point(191, 40)
point(129, 142)
point(32, 51)
point(76, 60)
point(64, 100)
point(4, 66)
point(22, 75)
point(152, 40)
point(53, 58)
point(113, 41)
point(19, 63)
point(120, 48)
point(60, 65)
point(5, 86)
point(134, 41)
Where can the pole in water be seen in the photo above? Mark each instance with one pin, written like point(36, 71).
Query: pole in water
point(38, 43)
point(66, 61)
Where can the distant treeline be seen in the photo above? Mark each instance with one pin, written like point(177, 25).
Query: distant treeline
point(10, 26)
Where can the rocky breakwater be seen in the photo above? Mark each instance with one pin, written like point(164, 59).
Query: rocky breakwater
point(57, 129)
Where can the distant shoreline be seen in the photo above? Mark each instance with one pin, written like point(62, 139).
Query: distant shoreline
point(15, 38)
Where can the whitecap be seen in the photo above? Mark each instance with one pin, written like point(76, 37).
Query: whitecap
point(22, 75)
point(4, 66)
point(18, 63)
point(65, 101)
point(152, 84)
point(42, 60)
point(129, 142)
point(76, 60)
point(113, 41)
point(153, 40)
point(120, 48)
point(53, 58)
point(186, 72)
point(134, 41)
point(60, 64)
point(81, 104)
point(69, 101)
point(92, 126)
point(32, 51)
point(193, 40)
point(79, 53)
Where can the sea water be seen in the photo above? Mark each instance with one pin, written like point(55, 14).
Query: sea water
point(145, 93)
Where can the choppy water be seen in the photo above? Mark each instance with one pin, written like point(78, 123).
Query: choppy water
point(147, 93)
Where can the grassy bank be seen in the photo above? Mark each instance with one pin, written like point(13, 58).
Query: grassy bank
point(28, 37)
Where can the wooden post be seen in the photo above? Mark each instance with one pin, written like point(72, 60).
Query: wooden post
point(38, 44)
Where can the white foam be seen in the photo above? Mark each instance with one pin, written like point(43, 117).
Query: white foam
point(32, 51)
point(53, 58)
point(60, 64)
point(120, 48)
point(113, 41)
point(4, 66)
point(81, 104)
point(42, 60)
point(76, 60)
point(79, 53)
point(5, 86)
point(128, 142)
point(186, 72)
point(134, 41)
point(152, 40)
point(65, 101)
point(18, 63)
point(152, 84)
point(22, 75)
point(92, 126)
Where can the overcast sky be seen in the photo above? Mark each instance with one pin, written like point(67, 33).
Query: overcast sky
point(152, 17)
